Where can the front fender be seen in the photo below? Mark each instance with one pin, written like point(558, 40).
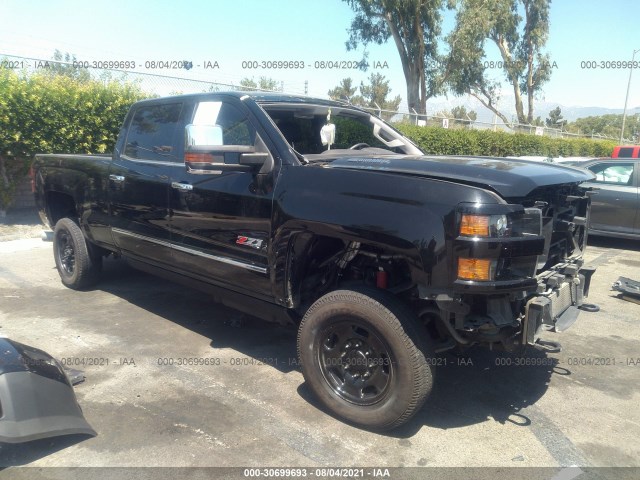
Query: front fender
point(399, 214)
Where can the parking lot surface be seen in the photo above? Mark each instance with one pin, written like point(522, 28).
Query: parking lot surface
point(174, 379)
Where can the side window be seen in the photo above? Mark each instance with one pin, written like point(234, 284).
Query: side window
point(236, 128)
point(613, 173)
point(154, 133)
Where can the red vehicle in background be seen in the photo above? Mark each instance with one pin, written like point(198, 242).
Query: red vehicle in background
point(626, 151)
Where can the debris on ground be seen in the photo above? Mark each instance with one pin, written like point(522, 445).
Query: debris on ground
point(630, 289)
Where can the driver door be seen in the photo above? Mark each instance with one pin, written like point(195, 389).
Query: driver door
point(615, 206)
point(220, 202)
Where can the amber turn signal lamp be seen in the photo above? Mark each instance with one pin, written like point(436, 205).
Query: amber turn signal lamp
point(474, 225)
point(198, 157)
point(475, 269)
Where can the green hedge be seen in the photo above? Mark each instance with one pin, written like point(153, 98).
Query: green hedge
point(442, 141)
point(47, 113)
point(61, 114)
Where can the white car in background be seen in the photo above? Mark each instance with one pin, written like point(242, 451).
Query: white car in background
point(560, 160)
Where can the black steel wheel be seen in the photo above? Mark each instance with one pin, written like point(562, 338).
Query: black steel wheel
point(77, 265)
point(364, 355)
point(355, 361)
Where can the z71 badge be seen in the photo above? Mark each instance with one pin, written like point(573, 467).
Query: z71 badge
point(249, 242)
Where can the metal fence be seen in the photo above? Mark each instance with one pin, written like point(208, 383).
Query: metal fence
point(161, 85)
point(470, 124)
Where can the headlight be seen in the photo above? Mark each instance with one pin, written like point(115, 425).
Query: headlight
point(484, 225)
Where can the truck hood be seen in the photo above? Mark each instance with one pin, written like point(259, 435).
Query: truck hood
point(508, 177)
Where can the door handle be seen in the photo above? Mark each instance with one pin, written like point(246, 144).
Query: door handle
point(116, 178)
point(184, 187)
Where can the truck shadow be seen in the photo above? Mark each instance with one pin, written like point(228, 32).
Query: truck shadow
point(473, 389)
point(225, 327)
point(468, 390)
point(616, 243)
point(485, 385)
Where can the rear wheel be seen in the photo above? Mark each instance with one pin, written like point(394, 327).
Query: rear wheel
point(364, 355)
point(77, 265)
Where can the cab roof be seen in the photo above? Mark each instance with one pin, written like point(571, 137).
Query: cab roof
point(258, 97)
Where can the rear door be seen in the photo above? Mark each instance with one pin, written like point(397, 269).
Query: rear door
point(615, 206)
point(139, 181)
point(221, 210)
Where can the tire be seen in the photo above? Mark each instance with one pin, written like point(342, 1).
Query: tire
point(77, 265)
point(364, 356)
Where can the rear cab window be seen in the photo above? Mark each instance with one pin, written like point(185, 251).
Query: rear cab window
point(626, 152)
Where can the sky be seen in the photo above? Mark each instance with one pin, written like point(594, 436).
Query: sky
point(306, 31)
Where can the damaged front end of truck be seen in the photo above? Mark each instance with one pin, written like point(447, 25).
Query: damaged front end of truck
point(518, 269)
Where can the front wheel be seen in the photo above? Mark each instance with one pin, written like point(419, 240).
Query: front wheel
point(77, 265)
point(364, 356)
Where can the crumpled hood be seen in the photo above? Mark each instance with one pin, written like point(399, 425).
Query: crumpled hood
point(508, 177)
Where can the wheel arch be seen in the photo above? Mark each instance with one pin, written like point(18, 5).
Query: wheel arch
point(60, 205)
point(308, 255)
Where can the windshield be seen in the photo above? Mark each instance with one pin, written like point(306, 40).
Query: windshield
point(302, 126)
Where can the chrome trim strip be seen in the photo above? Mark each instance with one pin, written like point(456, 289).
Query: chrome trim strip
point(229, 261)
point(140, 237)
point(177, 163)
point(216, 258)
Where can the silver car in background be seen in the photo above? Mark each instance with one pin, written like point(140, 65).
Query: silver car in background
point(615, 208)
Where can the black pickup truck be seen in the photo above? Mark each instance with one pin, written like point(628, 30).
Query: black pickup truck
point(320, 215)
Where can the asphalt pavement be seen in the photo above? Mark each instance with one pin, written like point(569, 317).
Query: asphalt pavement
point(174, 379)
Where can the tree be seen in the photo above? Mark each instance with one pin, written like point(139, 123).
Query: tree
point(372, 95)
point(555, 119)
point(263, 84)
point(458, 116)
point(519, 29)
point(346, 92)
point(415, 26)
point(63, 65)
point(606, 125)
point(375, 94)
point(461, 115)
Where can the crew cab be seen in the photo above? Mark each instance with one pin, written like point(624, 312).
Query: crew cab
point(318, 214)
